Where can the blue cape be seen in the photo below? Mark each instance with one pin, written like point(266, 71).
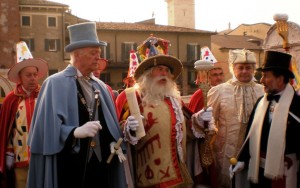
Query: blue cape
point(55, 116)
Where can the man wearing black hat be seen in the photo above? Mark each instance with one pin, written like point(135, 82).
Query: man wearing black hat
point(75, 126)
point(271, 147)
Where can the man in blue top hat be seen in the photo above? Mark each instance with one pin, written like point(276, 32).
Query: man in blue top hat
point(75, 124)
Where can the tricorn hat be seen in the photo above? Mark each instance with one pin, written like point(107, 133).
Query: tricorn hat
point(153, 52)
point(241, 56)
point(25, 59)
point(277, 61)
point(83, 35)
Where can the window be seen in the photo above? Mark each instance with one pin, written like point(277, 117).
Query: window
point(105, 51)
point(105, 77)
point(52, 71)
point(126, 48)
point(124, 75)
point(51, 21)
point(30, 43)
point(193, 53)
point(52, 45)
point(192, 76)
point(66, 25)
point(26, 21)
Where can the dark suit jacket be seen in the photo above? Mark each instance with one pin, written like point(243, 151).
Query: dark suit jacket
point(292, 132)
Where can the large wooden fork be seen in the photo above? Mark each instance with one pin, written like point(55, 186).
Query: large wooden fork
point(283, 31)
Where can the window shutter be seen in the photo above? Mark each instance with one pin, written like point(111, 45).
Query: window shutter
point(189, 53)
point(108, 51)
point(198, 52)
point(46, 45)
point(123, 52)
point(32, 44)
point(58, 44)
point(135, 47)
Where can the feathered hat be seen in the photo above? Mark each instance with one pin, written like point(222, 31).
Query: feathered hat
point(153, 51)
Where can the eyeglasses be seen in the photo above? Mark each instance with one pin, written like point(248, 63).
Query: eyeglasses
point(215, 74)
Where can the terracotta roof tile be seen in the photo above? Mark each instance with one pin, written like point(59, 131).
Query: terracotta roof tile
point(41, 2)
point(237, 42)
point(146, 27)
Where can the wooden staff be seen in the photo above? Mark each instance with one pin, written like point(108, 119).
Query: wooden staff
point(205, 148)
point(116, 147)
point(92, 117)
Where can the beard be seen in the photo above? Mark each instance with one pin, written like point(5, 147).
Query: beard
point(153, 93)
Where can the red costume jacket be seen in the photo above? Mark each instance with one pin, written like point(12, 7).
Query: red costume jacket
point(7, 115)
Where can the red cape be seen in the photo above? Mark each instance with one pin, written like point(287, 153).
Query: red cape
point(196, 101)
point(120, 102)
point(7, 115)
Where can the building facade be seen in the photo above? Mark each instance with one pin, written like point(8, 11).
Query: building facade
point(43, 26)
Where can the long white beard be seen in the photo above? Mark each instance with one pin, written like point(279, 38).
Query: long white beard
point(154, 93)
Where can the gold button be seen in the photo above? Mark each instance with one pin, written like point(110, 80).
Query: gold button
point(93, 143)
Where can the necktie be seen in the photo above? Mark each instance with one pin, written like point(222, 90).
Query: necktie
point(272, 97)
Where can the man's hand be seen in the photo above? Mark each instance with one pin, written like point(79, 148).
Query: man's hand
point(132, 123)
point(205, 115)
point(237, 168)
point(89, 129)
point(119, 152)
point(10, 160)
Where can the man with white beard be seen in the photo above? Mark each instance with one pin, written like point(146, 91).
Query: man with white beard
point(160, 156)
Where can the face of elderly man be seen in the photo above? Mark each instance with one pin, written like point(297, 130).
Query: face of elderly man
point(216, 76)
point(29, 78)
point(162, 72)
point(87, 59)
point(243, 71)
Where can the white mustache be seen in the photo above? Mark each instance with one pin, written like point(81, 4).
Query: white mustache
point(160, 78)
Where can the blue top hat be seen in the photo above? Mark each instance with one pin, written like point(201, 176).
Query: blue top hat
point(83, 35)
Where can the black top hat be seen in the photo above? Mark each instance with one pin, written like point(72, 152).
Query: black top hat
point(277, 61)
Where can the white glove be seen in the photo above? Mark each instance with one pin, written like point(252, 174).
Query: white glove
point(132, 123)
point(237, 168)
point(10, 160)
point(89, 129)
point(119, 152)
point(205, 115)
